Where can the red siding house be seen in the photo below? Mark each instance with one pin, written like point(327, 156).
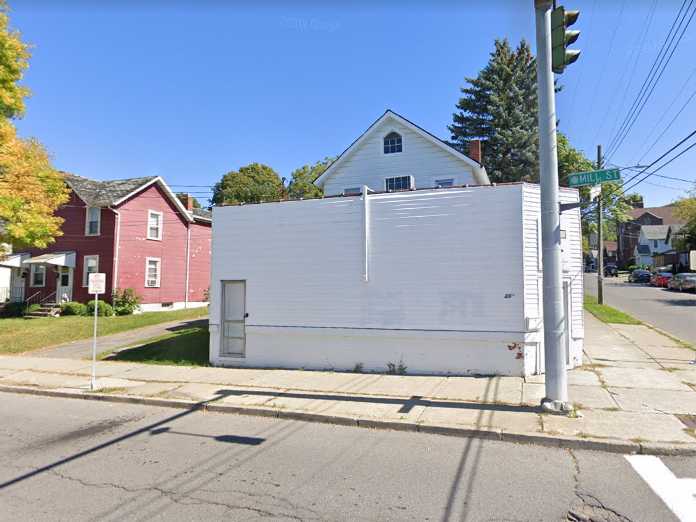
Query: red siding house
point(136, 231)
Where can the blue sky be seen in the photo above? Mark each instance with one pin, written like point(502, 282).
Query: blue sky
point(191, 90)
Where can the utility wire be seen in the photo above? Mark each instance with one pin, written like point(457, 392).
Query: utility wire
point(654, 76)
point(622, 186)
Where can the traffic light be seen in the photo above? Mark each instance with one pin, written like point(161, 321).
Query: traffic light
point(561, 38)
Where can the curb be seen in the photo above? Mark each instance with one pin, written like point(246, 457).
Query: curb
point(483, 433)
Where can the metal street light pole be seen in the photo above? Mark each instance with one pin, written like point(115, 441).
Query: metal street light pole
point(554, 321)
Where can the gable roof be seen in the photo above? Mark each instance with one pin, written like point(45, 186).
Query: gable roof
point(114, 192)
point(478, 169)
point(666, 213)
point(654, 231)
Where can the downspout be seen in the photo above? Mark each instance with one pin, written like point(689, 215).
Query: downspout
point(188, 263)
point(366, 234)
point(116, 249)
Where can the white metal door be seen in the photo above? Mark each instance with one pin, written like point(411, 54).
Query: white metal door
point(64, 286)
point(233, 319)
point(17, 291)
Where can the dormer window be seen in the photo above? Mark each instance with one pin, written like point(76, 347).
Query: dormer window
point(392, 143)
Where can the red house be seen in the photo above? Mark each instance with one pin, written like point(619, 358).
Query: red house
point(136, 231)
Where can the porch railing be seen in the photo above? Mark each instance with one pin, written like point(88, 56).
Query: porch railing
point(48, 297)
point(32, 298)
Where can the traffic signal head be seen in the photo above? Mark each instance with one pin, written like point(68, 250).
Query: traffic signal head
point(561, 37)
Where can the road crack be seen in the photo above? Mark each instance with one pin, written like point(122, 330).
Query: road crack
point(587, 507)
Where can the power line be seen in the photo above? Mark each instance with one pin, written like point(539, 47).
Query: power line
point(644, 169)
point(654, 75)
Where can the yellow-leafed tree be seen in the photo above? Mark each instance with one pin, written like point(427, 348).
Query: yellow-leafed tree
point(30, 188)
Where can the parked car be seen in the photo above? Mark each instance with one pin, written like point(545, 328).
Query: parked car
point(611, 270)
point(639, 276)
point(683, 281)
point(661, 279)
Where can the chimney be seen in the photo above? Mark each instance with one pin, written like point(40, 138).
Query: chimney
point(187, 200)
point(475, 151)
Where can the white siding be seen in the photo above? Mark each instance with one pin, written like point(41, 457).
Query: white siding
point(368, 165)
point(448, 288)
point(571, 256)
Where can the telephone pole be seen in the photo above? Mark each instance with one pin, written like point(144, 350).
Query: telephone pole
point(556, 399)
point(600, 236)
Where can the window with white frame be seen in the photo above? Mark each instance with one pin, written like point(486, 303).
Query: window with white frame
point(93, 221)
point(444, 182)
point(38, 275)
point(152, 272)
point(154, 224)
point(398, 183)
point(392, 143)
point(352, 191)
point(90, 265)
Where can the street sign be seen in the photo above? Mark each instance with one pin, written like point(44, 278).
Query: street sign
point(593, 177)
point(97, 283)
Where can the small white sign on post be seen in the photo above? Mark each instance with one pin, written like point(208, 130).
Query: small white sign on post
point(595, 190)
point(692, 260)
point(96, 285)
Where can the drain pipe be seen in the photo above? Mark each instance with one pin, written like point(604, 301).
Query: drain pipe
point(116, 248)
point(188, 263)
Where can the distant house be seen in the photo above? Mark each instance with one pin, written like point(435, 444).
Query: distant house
point(656, 245)
point(136, 231)
point(394, 154)
point(629, 232)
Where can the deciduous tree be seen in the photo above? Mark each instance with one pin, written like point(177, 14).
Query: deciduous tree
point(253, 183)
point(302, 180)
point(30, 192)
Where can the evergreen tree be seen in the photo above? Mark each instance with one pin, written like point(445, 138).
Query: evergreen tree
point(499, 107)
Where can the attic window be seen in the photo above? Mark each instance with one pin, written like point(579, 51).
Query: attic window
point(392, 143)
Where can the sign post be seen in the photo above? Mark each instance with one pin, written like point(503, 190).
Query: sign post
point(97, 285)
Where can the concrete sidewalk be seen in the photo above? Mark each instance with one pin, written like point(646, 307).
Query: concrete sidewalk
point(82, 348)
point(636, 393)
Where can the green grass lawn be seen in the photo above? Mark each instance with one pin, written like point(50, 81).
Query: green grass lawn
point(606, 313)
point(188, 346)
point(21, 335)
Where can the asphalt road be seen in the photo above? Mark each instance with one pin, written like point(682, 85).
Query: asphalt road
point(674, 312)
point(68, 459)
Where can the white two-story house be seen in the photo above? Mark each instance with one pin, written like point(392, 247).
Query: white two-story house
point(653, 240)
point(394, 154)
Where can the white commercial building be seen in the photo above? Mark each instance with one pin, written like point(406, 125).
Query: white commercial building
point(444, 280)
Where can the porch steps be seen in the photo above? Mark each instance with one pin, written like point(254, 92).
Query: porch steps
point(46, 310)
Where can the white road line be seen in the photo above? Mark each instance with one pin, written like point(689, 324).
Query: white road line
point(678, 494)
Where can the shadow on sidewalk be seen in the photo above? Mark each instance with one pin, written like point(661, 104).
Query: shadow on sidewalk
point(406, 404)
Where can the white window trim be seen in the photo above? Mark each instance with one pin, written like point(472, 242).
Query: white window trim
point(387, 133)
point(98, 232)
point(32, 271)
point(85, 274)
point(411, 182)
point(159, 271)
point(161, 225)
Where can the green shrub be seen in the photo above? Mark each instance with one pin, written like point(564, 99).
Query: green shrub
point(104, 309)
point(125, 301)
point(13, 310)
point(32, 308)
point(73, 308)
